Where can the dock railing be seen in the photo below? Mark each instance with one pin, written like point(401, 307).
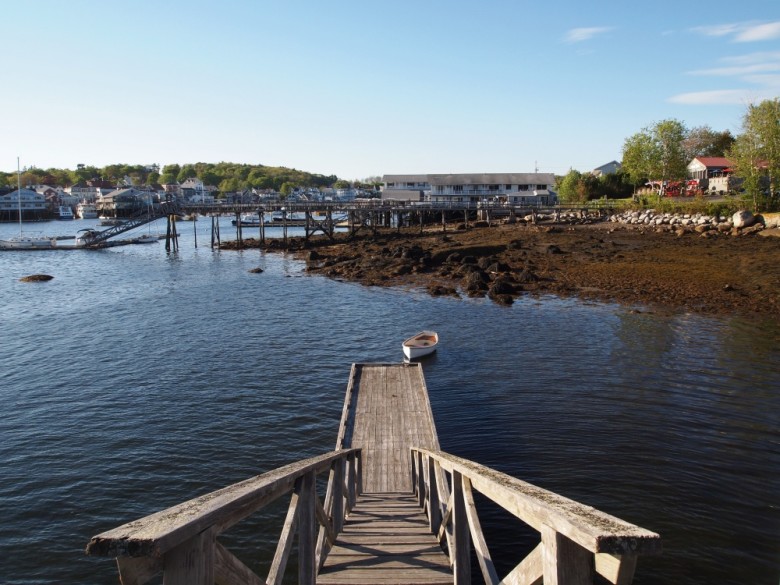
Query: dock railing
point(577, 541)
point(181, 542)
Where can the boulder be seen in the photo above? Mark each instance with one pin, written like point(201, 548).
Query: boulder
point(257, 270)
point(743, 219)
point(36, 278)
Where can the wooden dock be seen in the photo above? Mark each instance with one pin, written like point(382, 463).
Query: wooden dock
point(395, 510)
point(386, 538)
point(386, 413)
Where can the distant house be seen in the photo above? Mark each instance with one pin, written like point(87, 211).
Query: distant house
point(195, 191)
point(713, 173)
point(123, 202)
point(498, 188)
point(405, 187)
point(610, 168)
point(33, 205)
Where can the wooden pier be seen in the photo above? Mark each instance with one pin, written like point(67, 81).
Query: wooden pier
point(395, 510)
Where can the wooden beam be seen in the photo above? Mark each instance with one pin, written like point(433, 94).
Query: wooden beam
point(158, 533)
point(529, 571)
point(307, 533)
point(284, 546)
point(592, 529)
point(137, 570)
point(460, 532)
point(191, 562)
point(565, 562)
point(616, 569)
point(478, 538)
point(229, 570)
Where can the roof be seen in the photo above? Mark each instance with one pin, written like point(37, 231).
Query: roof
point(714, 161)
point(404, 178)
point(493, 179)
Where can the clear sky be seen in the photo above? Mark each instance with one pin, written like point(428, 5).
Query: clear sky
point(369, 87)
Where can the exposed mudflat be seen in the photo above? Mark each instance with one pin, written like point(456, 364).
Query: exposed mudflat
point(715, 273)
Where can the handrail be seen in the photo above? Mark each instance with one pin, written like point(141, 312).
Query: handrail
point(576, 538)
point(182, 539)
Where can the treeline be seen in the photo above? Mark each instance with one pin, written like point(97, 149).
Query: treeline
point(227, 177)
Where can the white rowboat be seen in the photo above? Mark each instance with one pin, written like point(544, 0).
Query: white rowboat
point(421, 344)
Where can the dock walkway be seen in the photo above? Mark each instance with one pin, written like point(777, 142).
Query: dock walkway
point(386, 538)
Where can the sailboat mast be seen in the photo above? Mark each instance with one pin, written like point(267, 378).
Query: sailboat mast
point(19, 193)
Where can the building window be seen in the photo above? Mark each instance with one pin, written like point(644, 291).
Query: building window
point(410, 185)
point(541, 187)
point(522, 187)
point(457, 188)
point(390, 185)
point(508, 187)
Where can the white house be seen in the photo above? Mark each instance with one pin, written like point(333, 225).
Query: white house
point(405, 187)
point(609, 168)
point(714, 174)
point(497, 188)
point(33, 205)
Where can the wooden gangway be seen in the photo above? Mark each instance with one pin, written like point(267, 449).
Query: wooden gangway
point(395, 510)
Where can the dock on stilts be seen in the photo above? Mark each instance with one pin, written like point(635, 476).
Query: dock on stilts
point(395, 510)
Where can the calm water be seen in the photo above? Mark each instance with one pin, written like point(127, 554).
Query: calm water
point(135, 380)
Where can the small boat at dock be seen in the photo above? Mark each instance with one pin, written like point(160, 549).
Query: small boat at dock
point(421, 344)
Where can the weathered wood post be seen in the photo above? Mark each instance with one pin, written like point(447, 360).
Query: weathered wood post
point(307, 529)
point(351, 482)
point(337, 512)
point(195, 231)
point(564, 561)
point(434, 508)
point(192, 562)
point(461, 563)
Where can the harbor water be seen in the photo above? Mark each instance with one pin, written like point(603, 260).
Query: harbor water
point(137, 379)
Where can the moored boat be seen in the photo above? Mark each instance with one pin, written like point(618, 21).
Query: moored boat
point(421, 344)
point(86, 211)
point(64, 212)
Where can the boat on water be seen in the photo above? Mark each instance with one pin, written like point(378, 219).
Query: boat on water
point(249, 220)
point(146, 239)
point(64, 212)
point(22, 242)
point(421, 344)
point(86, 211)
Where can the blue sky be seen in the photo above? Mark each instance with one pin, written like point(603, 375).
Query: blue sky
point(363, 88)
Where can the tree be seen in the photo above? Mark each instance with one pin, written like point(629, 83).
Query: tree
point(704, 141)
point(756, 152)
point(657, 153)
point(286, 189)
point(341, 184)
point(567, 188)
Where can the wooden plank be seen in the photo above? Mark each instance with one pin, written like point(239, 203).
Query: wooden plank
point(284, 545)
point(615, 569)
point(228, 570)
point(564, 561)
point(529, 571)
point(158, 533)
point(137, 571)
point(592, 529)
point(191, 562)
point(489, 573)
point(461, 562)
point(307, 531)
point(386, 540)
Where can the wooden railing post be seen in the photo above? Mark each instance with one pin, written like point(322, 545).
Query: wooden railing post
point(564, 561)
point(461, 562)
point(307, 529)
point(337, 510)
point(192, 562)
point(420, 479)
point(434, 507)
point(351, 482)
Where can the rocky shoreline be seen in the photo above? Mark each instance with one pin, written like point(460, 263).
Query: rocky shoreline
point(646, 260)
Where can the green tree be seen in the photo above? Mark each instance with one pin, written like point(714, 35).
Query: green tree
point(286, 189)
point(657, 153)
point(341, 184)
point(567, 187)
point(704, 141)
point(756, 152)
